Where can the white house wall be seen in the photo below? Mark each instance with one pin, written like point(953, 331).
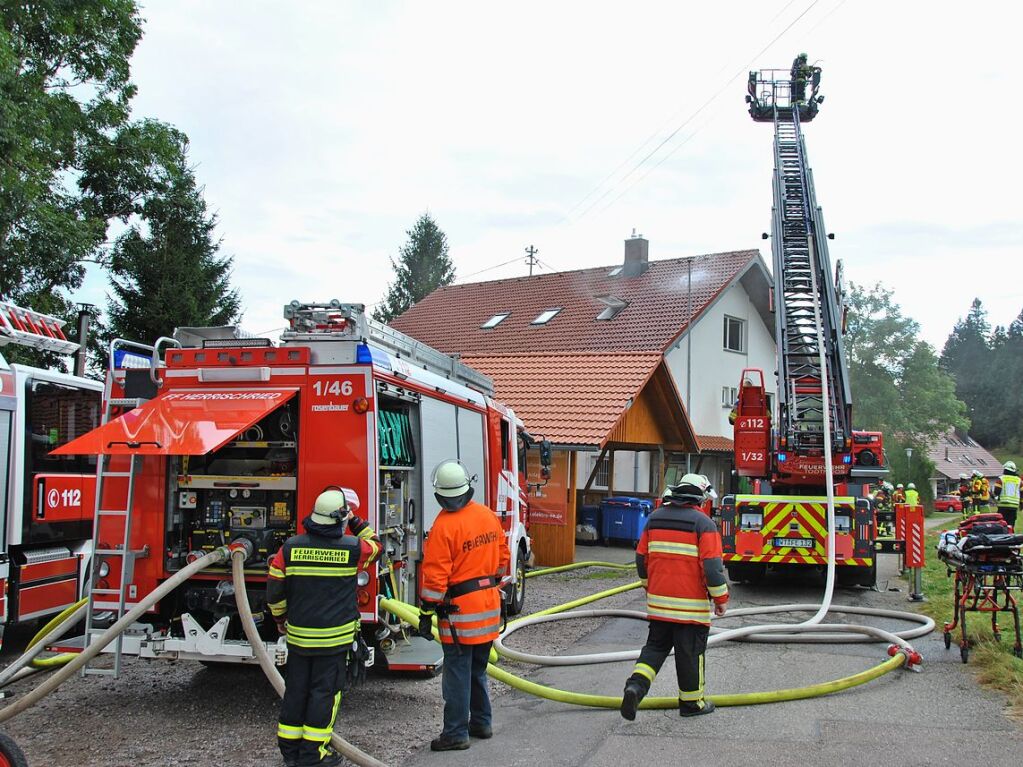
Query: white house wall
point(632, 471)
point(714, 366)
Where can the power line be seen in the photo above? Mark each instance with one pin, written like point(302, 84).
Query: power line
point(489, 269)
point(691, 117)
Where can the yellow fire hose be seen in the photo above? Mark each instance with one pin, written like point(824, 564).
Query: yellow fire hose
point(56, 660)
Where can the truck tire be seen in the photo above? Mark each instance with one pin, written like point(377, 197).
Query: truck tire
point(10, 754)
point(516, 592)
point(746, 572)
point(859, 575)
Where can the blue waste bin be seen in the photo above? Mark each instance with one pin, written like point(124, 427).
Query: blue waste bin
point(624, 518)
point(589, 519)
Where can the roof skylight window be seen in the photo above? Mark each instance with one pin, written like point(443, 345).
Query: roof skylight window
point(494, 321)
point(546, 316)
point(615, 272)
point(612, 307)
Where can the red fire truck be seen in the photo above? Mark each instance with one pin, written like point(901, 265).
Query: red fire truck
point(45, 500)
point(784, 521)
point(221, 437)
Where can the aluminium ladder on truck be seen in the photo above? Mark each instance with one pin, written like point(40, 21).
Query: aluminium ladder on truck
point(808, 305)
point(104, 601)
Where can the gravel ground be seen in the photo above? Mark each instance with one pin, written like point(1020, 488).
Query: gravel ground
point(162, 713)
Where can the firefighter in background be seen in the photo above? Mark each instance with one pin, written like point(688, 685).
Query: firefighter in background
point(1007, 494)
point(912, 495)
point(882, 498)
point(465, 558)
point(679, 562)
point(965, 498)
point(899, 496)
point(981, 492)
point(311, 595)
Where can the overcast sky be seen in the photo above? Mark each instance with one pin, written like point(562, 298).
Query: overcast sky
point(321, 131)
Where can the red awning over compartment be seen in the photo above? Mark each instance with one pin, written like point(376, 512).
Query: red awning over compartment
point(181, 423)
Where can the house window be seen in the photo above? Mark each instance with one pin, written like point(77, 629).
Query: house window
point(546, 316)
point(735, 334)
point(494, 321)
point(729, 395)
point(603, 474)
point(615, 272)
point(612, 307)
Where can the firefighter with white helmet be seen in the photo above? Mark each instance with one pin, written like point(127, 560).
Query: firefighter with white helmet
point(965, 498)
point(1007, 493)
point(899, 494)
point(679, 561)
point(311, 595)
point(464, 560)
point(912, 495)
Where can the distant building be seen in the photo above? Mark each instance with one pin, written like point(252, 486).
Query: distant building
point(598, 361)
point(958, 453)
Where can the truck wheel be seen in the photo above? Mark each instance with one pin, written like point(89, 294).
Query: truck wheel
point(10, 754)
point(517, 591)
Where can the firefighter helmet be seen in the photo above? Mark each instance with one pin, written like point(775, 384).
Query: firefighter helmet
point(452, 484)
point(964, 475)
point(1010, 466)
point(331, 507)
point(899, 486)
point(692, 488)
point(977, 474)
point(910, 486)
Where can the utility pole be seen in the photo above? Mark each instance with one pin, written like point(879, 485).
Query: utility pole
point(531, 258)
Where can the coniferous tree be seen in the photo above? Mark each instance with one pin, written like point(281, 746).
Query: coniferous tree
point(968, 356)
point(423, 266)
point(166, 271)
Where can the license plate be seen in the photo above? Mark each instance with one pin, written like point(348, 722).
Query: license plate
point(794, 543)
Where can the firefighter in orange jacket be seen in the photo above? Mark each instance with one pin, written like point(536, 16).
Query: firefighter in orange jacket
point(464, 560)
point(311, 595)
point(679, 562)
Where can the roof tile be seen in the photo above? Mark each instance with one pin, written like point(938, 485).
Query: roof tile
point(658, 306)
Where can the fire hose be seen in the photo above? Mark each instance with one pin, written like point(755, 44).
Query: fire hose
point(240, 551)
point(51, 632)
point(96, 646)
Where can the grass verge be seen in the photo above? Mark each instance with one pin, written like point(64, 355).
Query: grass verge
point(992, 662)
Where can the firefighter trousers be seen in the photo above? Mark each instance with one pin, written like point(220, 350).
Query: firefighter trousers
point(312, 695)
point(689, 640)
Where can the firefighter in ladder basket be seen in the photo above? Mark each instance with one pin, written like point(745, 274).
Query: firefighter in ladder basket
point(311, 595)
point(465, 558)
point(679, 562)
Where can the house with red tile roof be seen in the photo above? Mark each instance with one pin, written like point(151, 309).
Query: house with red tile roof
point(629, 369)
point(958, 453)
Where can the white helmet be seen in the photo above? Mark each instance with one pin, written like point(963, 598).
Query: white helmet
point(976, 473)
point(1010, 466)
point(899, 486)
point(335, 505)
point(451, 484)
point(692, 488)
point(964, 475)
point(910, 486)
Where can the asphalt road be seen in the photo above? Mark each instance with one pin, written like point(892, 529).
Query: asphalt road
point(939, 716)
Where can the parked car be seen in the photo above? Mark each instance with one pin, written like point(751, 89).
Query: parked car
point(948, 503)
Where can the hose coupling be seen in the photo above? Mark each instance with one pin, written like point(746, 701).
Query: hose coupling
point(913, 658)
point(243, 545)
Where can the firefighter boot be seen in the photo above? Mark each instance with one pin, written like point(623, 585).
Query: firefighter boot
point(695, 709)
point(635, 691)
point(448, 744)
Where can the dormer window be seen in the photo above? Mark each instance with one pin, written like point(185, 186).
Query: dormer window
point(496, 320)
point(546, 316)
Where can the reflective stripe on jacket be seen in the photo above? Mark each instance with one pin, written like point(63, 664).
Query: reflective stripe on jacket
point(463, 545)
point(679, 557)
point(311, 585)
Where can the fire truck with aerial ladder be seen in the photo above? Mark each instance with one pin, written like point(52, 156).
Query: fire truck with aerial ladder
point(784, 521)
point(46, 501)
point(213, 437)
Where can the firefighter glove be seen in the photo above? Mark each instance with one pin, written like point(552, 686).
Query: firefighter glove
point(426, 625)
point(356, 525)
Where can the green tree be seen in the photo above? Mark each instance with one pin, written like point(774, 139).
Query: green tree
point(423, 266)
point(897, 386)
point(71, 162)
point(166, 271)
point(969, 357)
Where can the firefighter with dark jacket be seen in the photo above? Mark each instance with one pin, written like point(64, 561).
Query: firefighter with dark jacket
point(679, 562)
point(311, 595)
point(465, 558)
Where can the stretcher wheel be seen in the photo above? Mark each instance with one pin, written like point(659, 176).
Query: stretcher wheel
point(964, 653)
point(948, 640)
point(10, 754)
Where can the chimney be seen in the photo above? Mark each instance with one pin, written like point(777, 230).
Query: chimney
point(637, 250)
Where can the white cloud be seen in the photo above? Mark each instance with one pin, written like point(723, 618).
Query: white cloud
point(322, 130)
